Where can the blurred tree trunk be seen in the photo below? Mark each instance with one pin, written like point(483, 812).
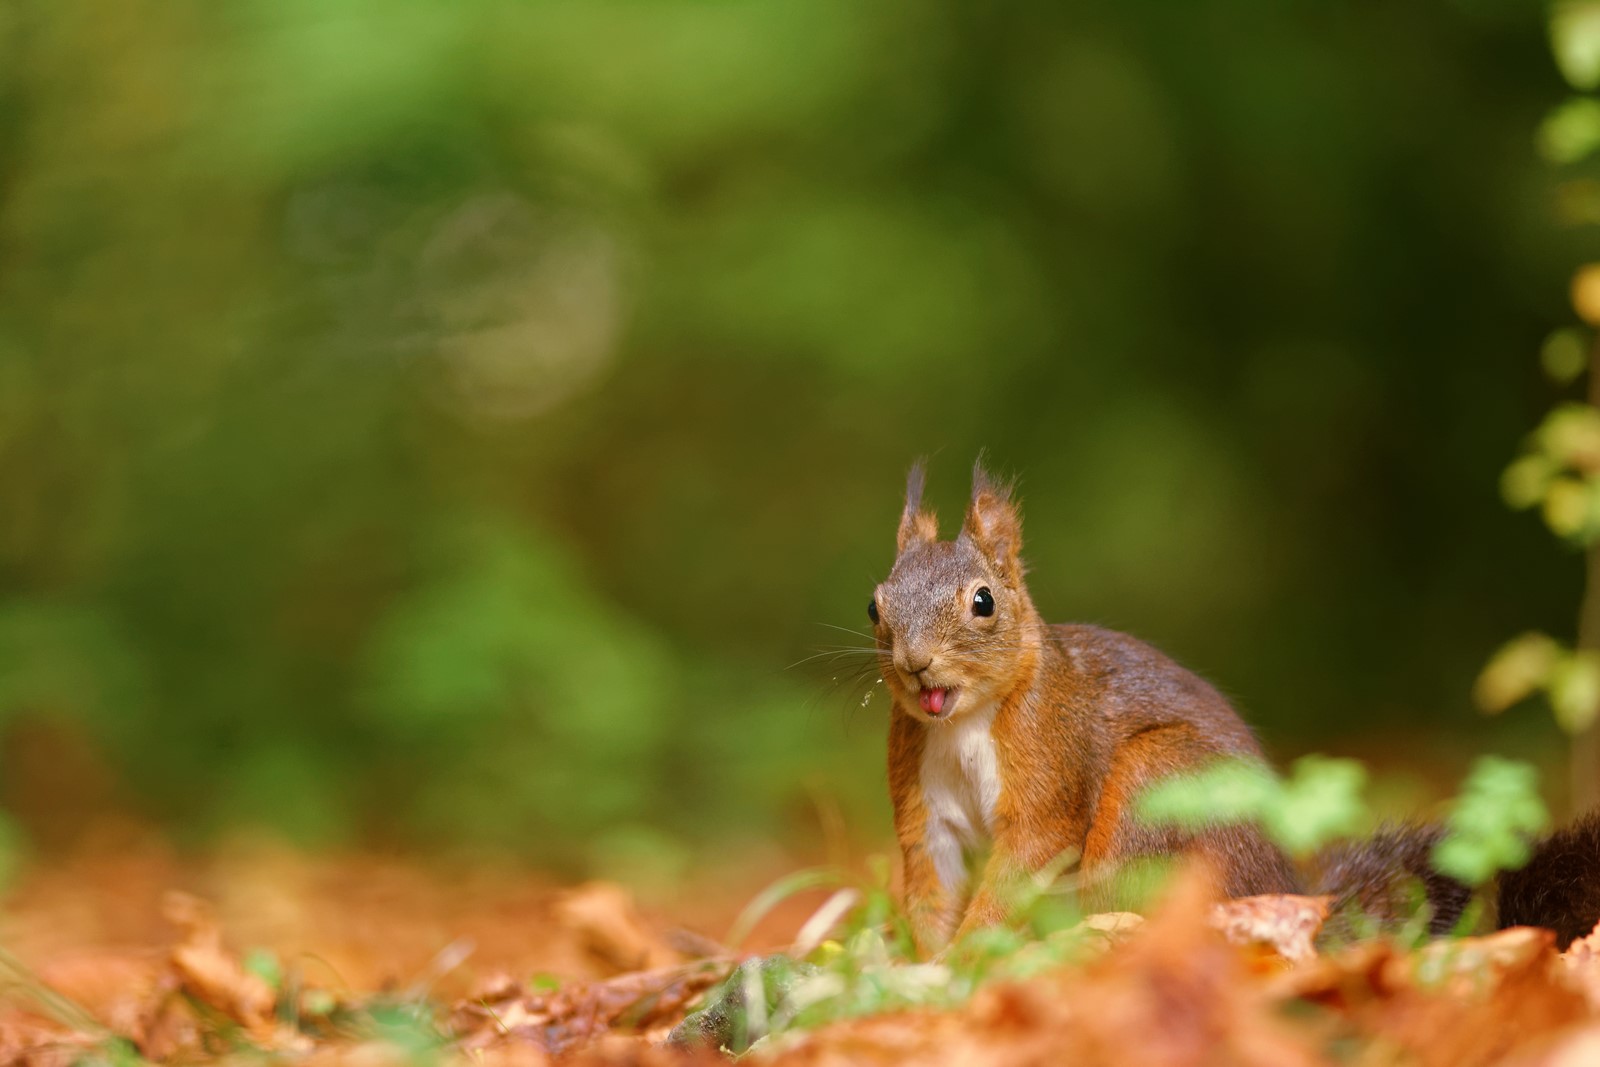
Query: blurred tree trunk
point(1586, 746)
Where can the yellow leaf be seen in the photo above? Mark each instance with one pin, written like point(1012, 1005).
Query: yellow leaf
point(1586, 293)
point(1571, 435)
point(1575, 690)
point(1566, 506)
point(1520, 668)
point(1575, 39)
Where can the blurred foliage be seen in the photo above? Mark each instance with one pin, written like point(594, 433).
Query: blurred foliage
point(443, 422)
point(1493, 822)
point(1319, 801)
point(1559, 469)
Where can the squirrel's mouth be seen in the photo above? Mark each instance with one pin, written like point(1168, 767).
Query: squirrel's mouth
point(935, 701)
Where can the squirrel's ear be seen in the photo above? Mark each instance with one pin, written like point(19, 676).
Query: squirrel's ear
point(993, 523)
point(916, 526)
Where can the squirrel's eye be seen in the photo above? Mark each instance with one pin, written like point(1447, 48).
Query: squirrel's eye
point(983, 601)
point(872, 611)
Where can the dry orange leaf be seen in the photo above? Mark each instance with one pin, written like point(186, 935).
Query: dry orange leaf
point(567, 1018)
point(1582, 967)
point(208, 972)
point(1286, 923)
point(604, 915)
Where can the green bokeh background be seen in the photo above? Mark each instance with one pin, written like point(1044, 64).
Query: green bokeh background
point(446, 422)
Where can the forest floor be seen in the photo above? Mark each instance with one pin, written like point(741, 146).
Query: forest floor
point(127, 952)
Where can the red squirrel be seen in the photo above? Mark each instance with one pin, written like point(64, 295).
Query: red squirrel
point(1029, 741)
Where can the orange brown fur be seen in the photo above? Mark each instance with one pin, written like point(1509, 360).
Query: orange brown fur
point(1080, 721)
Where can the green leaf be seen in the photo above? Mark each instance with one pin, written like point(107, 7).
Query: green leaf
point(1492, 822)
point(1320, 801)
point(1226, 792)
point(263, 963)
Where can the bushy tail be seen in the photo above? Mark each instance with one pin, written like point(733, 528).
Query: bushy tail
point(1378, 876)
point(1559, 888)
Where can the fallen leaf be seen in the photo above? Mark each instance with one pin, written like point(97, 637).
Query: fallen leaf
point(1456, 1003)
point(1470, 964)
point(209, 973)
point(32, 1042)
point(1582, 967)
point(1575, 1048)
point(118, 988)
point(1351, 977)
point(1286, 923)
point(560, 1020)
point(604, 916)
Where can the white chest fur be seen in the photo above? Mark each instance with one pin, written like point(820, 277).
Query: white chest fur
point(960, 785)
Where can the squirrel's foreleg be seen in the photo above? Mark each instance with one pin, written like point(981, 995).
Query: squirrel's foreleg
point(930, 906)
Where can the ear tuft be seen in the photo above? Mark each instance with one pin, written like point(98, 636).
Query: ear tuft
point(993, 523)
point(916, 525)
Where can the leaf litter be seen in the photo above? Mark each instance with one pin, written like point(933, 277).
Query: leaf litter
point(532, 975)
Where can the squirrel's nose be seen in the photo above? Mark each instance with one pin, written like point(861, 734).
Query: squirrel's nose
point(912, 660)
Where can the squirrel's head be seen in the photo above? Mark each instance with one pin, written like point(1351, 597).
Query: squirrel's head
point(953, 621)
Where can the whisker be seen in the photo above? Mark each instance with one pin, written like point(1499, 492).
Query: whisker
point(847, 630)
point(832, 653)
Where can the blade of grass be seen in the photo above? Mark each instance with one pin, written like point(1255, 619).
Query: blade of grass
point(823, 920)
point(775, 894)
point(62, 1008)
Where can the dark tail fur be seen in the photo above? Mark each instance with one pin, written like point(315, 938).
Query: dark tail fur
point(1378, 877)
point(1559, 888)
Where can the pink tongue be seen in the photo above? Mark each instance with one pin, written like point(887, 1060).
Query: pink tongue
point(933, 700)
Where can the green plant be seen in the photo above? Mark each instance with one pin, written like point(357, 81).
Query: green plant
point(1559, 468)
point(1319, 801)
point(1492, 822)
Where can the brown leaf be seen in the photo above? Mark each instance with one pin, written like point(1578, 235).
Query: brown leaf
point(1586, 946)
point(121, 989)
point(209, 973)
point(1573, 1048)
point(32, 1042)
point(1582, 966)
point(1469, 964)
point(171, 1027)
point(604, 915)
point(1458, 1003)
point(1343, 981)
point(568, 1018)
point(1283, 922)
